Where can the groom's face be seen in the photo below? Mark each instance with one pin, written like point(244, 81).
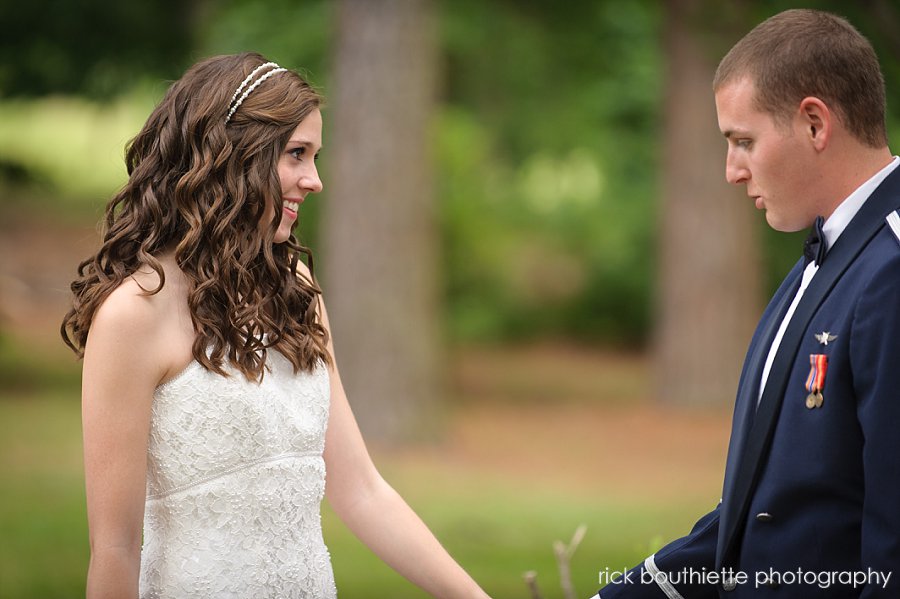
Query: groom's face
point(771, 158)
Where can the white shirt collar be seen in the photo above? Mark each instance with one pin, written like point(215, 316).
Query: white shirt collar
point(847, 209)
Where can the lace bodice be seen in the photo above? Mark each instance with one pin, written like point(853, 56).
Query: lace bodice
point(235, 477)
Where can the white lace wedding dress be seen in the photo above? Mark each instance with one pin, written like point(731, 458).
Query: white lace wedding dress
point(234, 484)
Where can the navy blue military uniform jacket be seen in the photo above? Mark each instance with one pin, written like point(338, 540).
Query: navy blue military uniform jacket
point(811, 495)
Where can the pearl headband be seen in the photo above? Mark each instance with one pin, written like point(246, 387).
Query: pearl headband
point(235, 104)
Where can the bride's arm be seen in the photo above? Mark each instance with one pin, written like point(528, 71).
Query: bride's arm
point(120, 372)
point(376, 513)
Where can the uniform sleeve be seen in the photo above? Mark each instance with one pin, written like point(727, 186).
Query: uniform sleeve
point(875, 362)
point(677, 571)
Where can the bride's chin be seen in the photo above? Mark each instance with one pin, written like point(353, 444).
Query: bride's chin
point(281, 236)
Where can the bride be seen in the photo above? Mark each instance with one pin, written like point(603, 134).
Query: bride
point(212, 405)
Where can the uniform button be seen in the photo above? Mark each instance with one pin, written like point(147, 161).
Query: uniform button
point(764, 517)
point(729, 584)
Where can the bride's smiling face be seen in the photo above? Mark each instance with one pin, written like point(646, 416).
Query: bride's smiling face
point(297, 172)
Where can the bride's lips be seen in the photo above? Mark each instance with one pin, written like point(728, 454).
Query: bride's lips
point(291, 206)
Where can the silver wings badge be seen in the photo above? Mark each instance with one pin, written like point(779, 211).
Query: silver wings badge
point(825, 337)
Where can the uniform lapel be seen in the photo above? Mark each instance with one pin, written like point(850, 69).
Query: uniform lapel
point(743, 469)
point(748, 390)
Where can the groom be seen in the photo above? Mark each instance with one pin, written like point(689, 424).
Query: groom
point(811, 500)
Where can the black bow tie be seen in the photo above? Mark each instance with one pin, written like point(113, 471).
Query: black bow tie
point(815, 245)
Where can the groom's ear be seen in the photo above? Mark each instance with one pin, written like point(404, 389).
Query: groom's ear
point(816, 122)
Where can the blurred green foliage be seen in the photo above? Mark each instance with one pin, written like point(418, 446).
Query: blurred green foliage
point(92, 47)
point(547, 138)
point(547, 158)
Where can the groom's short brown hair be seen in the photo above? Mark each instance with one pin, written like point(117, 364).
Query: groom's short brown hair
point(800, 53)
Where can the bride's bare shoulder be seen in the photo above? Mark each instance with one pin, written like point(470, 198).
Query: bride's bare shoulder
point(159, 321)
point(140, 296)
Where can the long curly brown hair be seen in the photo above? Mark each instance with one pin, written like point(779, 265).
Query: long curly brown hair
point(201, 188)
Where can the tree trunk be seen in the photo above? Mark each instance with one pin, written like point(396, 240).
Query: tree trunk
point(380, 242)
point(709, 282)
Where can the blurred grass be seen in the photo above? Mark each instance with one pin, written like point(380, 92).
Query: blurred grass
point(498, 532)
point(43, 551)
point(497, 526)
point(73, 146)
point(25, 371)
